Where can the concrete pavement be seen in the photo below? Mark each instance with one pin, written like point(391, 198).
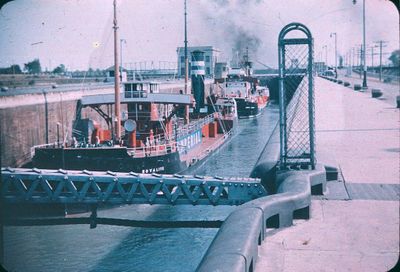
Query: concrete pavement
point(352, 227)
point(390, 90)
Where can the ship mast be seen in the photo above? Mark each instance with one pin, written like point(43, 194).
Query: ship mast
point(186, 55)
point(186, 68)
point(117, 106)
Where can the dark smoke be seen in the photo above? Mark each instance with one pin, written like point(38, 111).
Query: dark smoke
point(233, 19)
point(245, 41)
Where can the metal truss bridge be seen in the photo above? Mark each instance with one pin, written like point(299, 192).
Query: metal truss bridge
point(20, 185)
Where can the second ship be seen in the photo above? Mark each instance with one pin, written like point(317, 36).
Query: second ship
point(239, 83)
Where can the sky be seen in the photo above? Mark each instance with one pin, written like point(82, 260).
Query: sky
point(79, 34)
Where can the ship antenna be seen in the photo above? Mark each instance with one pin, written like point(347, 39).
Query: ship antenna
point(117, 105)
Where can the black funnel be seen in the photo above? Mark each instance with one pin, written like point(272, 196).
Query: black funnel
point(197, 72)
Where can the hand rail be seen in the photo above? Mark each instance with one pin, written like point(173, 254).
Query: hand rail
point(186, 129)
point(152, 150)
point(33, 148)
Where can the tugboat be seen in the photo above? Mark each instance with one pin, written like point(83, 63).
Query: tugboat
point(239, 84)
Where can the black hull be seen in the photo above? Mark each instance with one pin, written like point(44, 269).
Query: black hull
point(246, 109)
point(106, 159)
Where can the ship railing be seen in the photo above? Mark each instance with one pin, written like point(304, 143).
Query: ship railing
point(195, 125)
point(156, 139)
point(150, 150)
point(52, 145)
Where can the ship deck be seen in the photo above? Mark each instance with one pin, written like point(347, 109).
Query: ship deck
point(207, 146)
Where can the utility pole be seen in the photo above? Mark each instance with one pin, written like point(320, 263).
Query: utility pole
point(351, 61)
point(380, 60)
point(361, 60)
point(381, 45)
point(363, 49)
point(364, 63)
point(117, 105)
point(334, 33)
point(326, 55)
point(372, 57)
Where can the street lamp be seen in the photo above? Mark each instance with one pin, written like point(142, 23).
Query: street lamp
point(363, 51)
point(334, 33)
point(120, 53)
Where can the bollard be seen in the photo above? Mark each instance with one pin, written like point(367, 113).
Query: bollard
point(346, 84)
point(357, 87)
point(340, 81)
point(376, 93)
point(398, 101)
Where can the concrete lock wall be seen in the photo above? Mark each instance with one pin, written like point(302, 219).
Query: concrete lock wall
point(266, 165)
point(25, 126)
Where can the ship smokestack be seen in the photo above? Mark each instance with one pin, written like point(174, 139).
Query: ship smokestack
point(198, 72)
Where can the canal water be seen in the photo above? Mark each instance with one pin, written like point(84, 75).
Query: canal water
point(113, 248)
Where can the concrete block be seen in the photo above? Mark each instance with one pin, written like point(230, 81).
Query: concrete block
point(346, 84)
point(317, 189)
point(376, 93)
point(331, 172)
point(357, 87)
point(303, 213)
point(273, 221)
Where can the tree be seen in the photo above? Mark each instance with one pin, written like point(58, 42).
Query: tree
point(395, 58)
point(13, 69)
point(60, 69)
point(33, 67)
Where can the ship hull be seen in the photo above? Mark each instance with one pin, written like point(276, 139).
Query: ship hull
point(246, 108)
point(105, 159)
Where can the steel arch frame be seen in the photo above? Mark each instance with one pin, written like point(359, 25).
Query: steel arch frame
point(282, 42)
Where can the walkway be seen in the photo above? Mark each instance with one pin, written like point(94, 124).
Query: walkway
point(355, 226)
point(390, 90)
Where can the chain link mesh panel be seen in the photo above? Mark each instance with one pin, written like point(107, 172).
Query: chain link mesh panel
point(297, 108)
